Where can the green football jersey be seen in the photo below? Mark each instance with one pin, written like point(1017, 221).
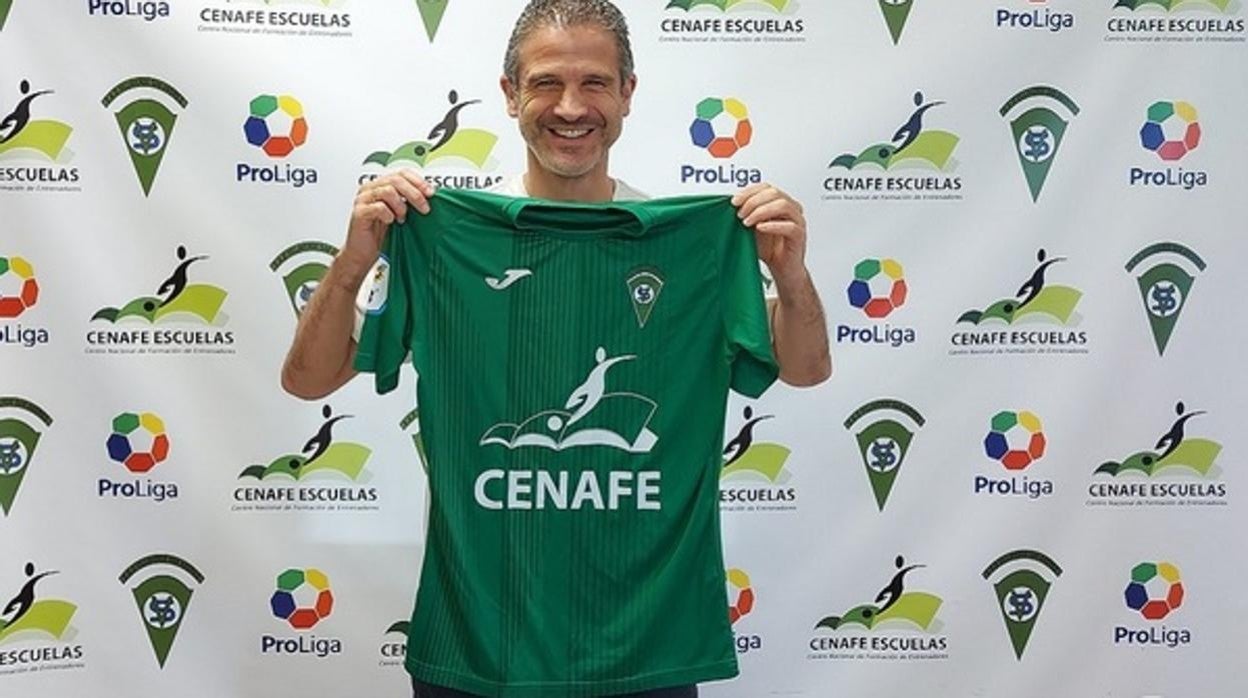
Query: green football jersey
point(573, 362)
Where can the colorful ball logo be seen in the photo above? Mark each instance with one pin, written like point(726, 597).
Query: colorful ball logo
point(276, 125)
point(878, 288)
point(722, 126)
point(138, 441)
point(741, 594)
point(1156, 589)
point(1015, 439)
point(1172, 130)
point(302, 598)
point(19, 289)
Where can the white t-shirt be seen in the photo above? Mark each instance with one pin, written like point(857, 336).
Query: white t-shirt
point(512, 186)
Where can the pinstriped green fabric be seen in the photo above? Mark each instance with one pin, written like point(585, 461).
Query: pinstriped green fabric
point(574, 362)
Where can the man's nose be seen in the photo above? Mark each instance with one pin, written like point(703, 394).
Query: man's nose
point(571, 104)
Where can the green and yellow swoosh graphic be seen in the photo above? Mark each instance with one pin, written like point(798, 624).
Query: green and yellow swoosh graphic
point(1172, 5)
point(201, 300)
point(471, 144)
point(347, 459)
point(1056, 302)
point(726, 5)
point(44, 136)
point(49, 617)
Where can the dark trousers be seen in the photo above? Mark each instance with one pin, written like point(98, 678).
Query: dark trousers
point(424, 690)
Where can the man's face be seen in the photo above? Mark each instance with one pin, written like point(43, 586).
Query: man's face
point(570, 100)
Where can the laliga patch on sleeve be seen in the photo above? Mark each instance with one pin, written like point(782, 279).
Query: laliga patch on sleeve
point(380, 290)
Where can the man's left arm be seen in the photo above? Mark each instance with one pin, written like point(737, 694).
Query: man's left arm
point(799, 332)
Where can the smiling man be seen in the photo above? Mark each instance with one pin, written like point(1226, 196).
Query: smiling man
point(578, 555)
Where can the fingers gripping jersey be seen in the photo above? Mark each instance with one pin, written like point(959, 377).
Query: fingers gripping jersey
point(573, 367)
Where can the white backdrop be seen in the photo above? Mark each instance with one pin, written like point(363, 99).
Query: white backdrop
point(809, 537)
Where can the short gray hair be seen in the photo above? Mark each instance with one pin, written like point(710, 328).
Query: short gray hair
point(568, 13)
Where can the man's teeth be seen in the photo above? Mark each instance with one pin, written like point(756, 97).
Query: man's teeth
point(571, 133)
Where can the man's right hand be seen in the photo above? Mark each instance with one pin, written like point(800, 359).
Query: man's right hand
point(378, 204)
point(321, 357)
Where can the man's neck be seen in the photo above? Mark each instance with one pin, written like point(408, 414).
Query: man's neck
point(593, 187)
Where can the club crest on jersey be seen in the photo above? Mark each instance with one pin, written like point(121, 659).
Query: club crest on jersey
point(591, 416)
point(644, 287)
point(380, 291)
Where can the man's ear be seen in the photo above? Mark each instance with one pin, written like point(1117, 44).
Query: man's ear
point(626, 90)
point(509, 93)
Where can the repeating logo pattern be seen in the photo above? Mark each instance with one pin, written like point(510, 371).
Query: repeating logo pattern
point(163, 586)
point(1023, 579)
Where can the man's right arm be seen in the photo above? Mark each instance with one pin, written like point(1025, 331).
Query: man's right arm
point(321, 357)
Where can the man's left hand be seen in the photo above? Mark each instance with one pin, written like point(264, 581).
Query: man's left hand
point(779, 227)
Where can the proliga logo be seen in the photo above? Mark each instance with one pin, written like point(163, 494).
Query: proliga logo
point(1034, 18)
point(146, 120)
point(740, 594)
point(1023, 580)
point(162, 589)
point(306, 264)
point(884, 442)
point(1171, 130)
point(447, 146)
point(431, 12)
point(19, 437)
point(1155, 591)
point(302, 598)
point(148, 10)
point(877, 290)
point(19, 289)
point(1165, 285)
point(1038, 130)
point(276, 125)
point(138, 441)
point(1015, 439)
point(19, 292)
point(741, 600)
point(896, 13)
point(721, 126)
point(879, 287)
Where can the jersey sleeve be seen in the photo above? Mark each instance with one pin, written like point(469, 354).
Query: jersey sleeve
point(386, 335)
point(746, 325)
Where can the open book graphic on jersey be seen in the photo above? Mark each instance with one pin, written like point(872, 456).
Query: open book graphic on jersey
point(591, 417)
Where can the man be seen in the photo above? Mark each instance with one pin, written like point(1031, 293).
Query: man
point(568, 80)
